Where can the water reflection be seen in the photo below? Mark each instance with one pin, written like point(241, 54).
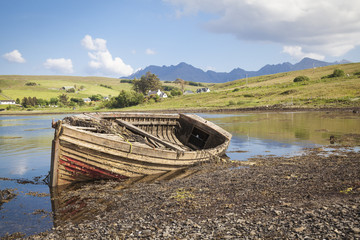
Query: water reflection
point(25, 148)
point(293, 128)
point(24, 145)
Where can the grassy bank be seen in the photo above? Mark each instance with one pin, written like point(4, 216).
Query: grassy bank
point(277, 90)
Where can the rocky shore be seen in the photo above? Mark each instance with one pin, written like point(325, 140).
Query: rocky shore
point(312, 196)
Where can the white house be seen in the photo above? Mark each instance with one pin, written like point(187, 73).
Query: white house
point(201, 90)
point(86, 100)
point(159, 93)
point(7, 102)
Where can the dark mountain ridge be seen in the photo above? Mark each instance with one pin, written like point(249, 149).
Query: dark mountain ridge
point(190, 73)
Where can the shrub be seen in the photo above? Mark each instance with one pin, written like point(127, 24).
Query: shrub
point(196, 84)
point(231, 102)
point(236, 90)
point(301, 79)
point(169, 88)
point(126, 81)
point(336, 73)
point(176, 92)
point(96, 97)
point(78, 101)
point(54, 101)
point(105, 86)
point(30, 84)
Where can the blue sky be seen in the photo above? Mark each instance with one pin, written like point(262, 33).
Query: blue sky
point(117, 37)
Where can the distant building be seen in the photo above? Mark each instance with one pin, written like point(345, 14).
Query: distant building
point(202, 90)
point(188, 92)
point(159, 93)
point(7, 102)
point(86, 100)
point(106, 98)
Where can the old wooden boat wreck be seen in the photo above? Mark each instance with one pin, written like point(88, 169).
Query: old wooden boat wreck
point(124, 145)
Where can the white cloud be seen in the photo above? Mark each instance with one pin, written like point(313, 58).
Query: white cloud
point(14, 56)
point(296, 52)
point(150, 51)
point(323, 27)
point(102, 60)
point(59, 65)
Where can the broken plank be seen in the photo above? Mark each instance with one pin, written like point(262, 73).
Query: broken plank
point(148, 135)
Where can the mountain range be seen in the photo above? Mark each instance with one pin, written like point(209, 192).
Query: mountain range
point(188, 72)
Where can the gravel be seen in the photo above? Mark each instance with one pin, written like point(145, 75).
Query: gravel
point(313, 196)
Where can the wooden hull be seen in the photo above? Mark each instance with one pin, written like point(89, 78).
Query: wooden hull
point(171, 142)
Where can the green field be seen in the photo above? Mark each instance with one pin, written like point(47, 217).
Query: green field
point(278, 89)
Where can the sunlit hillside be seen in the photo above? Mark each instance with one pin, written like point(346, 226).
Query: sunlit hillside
point(278, 89)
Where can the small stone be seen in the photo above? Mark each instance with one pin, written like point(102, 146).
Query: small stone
point(299, 229)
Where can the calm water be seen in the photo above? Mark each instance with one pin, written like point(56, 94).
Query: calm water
point(25, 148)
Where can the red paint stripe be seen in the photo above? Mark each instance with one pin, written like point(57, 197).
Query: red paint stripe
point(79, 168)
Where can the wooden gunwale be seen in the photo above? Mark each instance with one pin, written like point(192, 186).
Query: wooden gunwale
point(115, 164)
point(126, 147)
point(136, 157)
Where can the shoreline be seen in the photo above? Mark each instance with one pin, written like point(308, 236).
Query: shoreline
point(313, 196)
point(198, 110)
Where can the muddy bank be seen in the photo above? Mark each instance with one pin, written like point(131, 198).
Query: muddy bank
point(314, 196)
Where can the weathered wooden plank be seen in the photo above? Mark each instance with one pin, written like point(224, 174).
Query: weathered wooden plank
point(136, 157)
point(143, 133)
point(117, 143)
point(152, 123)
point(54, 163)
point(112, 163)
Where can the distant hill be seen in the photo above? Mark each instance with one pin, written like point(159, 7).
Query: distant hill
point(190, 73)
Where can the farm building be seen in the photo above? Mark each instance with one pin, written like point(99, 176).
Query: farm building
point(7, 102)
point(159, 93)
point(202, 90)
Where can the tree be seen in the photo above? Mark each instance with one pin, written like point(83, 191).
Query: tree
point(54, 101)
point(96, 97)
point(78, 101)
point(63, 98)
point(126, 99)
point(176, 92)
point(147, 83)
point(25, 102)
point(181, 82)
